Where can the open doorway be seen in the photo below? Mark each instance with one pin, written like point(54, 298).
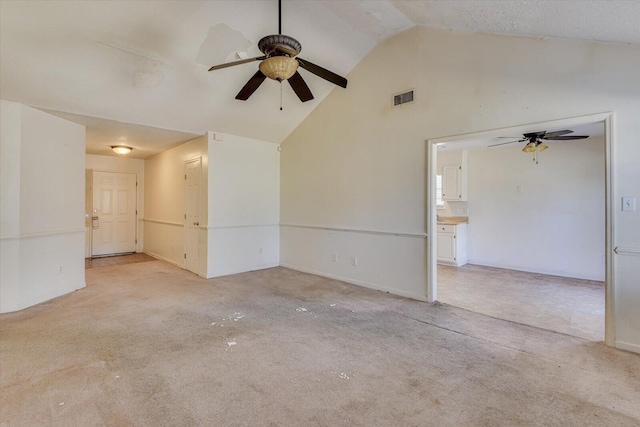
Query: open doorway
point(526, 242)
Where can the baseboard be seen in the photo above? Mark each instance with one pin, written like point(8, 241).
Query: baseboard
point(627, 346)
point(253, 268)
point(161, 258)
point(362, 283)
point(529, 270)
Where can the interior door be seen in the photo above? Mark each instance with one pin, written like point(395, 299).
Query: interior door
point(114, 213)
point(192, 215)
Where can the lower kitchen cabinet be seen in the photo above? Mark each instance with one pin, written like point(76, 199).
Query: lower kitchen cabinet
point(452, 244)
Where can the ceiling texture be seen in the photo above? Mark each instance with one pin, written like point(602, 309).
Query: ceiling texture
point(136, 71)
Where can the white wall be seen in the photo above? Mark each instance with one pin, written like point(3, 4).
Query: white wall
point(555, 224)
point(357, 163)
point(124, 165)
point(244, 205)
point(42, 223)
point(164, 202)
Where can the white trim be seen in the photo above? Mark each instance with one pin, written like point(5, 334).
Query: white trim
point(568, 274)
point(355, 230)
point(432, 218)
point(219, 227)
point(362, 283)
point(609, 209)
point(492, 133)
point(627, 346)
point(161, 258)
point(253, 268)
point(201, 217)
point(46, 233)
point(158, 221)
point(608, 119)
point(622, 250)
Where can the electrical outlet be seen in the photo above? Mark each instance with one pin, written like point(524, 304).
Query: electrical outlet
point(335, 257)
point(354, 261)
point(628, 204)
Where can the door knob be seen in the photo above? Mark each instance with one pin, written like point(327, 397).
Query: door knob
point(196, 223)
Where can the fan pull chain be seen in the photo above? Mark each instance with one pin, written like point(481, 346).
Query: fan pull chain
point(280, 96)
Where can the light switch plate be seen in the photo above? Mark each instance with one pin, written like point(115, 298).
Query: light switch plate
point(628, 204)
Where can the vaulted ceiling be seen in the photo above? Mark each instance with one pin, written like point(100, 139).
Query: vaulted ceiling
point(144, 63)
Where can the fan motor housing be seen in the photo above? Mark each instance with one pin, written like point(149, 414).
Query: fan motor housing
point(269, 44)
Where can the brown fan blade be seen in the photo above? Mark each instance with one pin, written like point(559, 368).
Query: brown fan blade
point(231, 64)
point(300, 87)
point(322, 72)
point(254, 82)
point(566, 138)
point(510, 142)
point(556, 133)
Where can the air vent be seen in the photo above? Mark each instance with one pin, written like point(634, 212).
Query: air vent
point(402, 98)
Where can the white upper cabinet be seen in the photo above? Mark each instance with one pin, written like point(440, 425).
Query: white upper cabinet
point(454, 180)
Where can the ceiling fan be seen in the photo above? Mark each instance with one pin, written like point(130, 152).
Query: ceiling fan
point(280, 62)
point(536, 140)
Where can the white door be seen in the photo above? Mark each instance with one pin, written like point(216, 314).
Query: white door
point(114, 213)
point(192, 215)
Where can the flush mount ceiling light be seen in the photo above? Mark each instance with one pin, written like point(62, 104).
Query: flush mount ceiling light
point(121, 149)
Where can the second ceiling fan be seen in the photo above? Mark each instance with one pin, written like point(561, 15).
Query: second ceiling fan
point(535, 140)
point(280, 62)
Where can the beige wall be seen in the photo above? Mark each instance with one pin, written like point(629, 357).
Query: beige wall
point(357, 163)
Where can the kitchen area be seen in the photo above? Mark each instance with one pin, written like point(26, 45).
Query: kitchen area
point(511, 245)
point(451, 201)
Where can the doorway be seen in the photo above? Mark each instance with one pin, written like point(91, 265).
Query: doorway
point(113, 222)
point(605, 121)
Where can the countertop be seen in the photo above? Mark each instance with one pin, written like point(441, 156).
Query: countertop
point(453, 220)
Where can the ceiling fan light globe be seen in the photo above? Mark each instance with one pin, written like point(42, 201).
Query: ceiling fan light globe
point(530, 147)
point(542, 146)
point(279, 67)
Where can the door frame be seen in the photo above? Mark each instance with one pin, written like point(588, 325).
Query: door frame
point(432, 156)
point(184, 204)
point(136, 225)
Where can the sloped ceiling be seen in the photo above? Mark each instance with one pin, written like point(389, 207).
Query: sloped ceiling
point(145, 62)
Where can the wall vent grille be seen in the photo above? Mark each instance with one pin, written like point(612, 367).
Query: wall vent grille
point(403, 98)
